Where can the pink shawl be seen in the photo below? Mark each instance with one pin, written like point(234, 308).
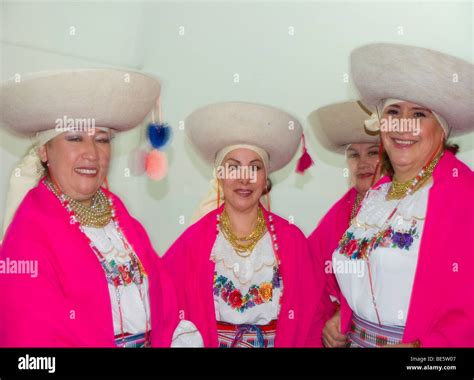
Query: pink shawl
point(322, 243)
point(441, 310)
point(68, 303)
point(193, 271)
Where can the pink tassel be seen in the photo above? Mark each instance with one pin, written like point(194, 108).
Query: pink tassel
point(305, 161)
point(156, 165)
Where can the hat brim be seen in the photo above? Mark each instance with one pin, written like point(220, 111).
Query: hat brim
point(438, 81)
point(112, 98)
point(340, 124)
point(216, 126)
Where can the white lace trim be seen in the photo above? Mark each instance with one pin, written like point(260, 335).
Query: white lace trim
point(376, 209)
point(108, 242)
point(244, 268)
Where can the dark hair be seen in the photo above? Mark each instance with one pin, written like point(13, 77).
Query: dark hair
point(45, 166)
point(387, 165)
point(453, 148)
point(269, 187)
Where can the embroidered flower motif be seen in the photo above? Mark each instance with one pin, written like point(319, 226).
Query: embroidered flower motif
point(224, 294)
point(276, 278)
point(124, 272)
point(358, 248)
point(250, 304)
point(351, 247)
point(256, 295)
point(116, 281)
point(364, 247)
point(235, 299)
point(266, 291)
point(402, 240)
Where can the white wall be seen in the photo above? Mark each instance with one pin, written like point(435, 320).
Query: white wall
point(293, 55)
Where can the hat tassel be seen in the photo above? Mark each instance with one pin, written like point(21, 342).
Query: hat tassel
point(305, 161)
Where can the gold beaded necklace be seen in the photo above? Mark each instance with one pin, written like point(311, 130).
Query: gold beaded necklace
point(243, 246)
point(97, 215)
point(399, 190)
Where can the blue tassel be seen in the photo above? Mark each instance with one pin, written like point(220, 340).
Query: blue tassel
point(159, 134)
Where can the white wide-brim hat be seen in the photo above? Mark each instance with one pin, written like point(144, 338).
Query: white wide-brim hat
point(216, 126)
point(440, 82)
point(340, 124)
point(116, 99)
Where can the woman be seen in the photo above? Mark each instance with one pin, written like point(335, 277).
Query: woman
point(99, 282)
point(410, 233)
point(339, 127)
point(244, 275)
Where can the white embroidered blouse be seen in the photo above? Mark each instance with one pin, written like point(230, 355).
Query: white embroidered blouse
point(247, 289)
point(392, 262)
point(134, 298)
